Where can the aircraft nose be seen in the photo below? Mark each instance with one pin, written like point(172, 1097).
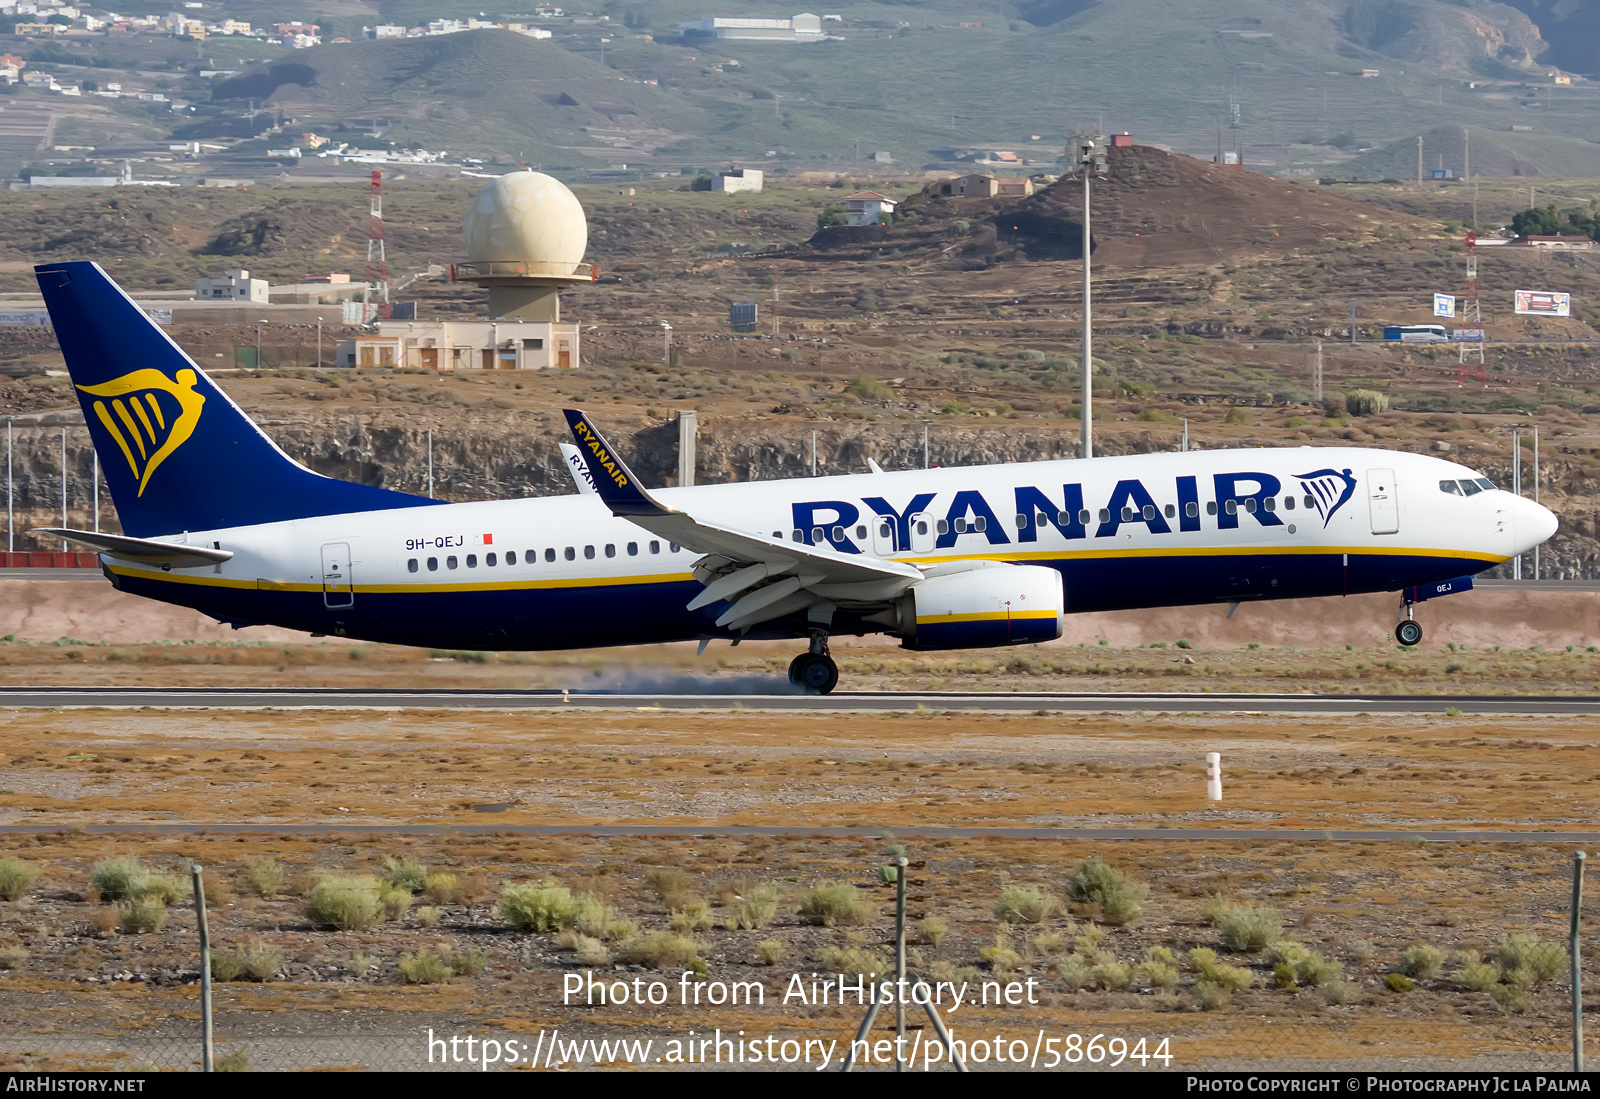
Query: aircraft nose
point(1535, 523)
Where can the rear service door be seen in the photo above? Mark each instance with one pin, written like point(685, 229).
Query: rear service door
point(337, 584)
point(1384, 501)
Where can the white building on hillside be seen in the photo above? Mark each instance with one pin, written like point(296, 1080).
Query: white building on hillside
point(867, 208)
point(738, 179)
point(801, 28)
point(237, 286)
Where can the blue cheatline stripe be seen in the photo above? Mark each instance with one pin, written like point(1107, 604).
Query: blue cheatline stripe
point(586, 616)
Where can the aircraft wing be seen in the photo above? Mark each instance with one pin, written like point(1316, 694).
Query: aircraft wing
point(763, 577)
point(178, 555)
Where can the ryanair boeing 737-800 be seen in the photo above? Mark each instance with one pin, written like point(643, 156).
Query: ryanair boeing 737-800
point(217, 518)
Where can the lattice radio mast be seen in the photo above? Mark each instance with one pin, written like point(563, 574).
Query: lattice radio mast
point(377, 258)
point(1472, 321)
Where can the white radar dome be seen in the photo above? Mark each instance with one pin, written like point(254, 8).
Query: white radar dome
point(529, 218)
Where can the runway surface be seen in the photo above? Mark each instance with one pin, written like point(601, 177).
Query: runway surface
point(340, 698)
point(1165, 835)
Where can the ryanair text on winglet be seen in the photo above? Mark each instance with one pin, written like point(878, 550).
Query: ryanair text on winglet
point(592, 441)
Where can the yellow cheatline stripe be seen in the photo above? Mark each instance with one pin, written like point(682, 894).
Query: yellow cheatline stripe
point(985, 616)
point(105, 418)
point(1217, 551)
point(395, 589)
point(122, 414)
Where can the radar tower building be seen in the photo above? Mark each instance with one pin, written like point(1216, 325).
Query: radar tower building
point(526, 235)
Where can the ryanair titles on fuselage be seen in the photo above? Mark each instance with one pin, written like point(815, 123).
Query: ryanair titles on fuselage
point(1130, 503)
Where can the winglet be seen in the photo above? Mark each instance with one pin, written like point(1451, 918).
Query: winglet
point(613, 480)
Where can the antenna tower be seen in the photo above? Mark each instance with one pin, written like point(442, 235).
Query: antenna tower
point(377, 258)
point(1472, 314)
point(1235, 123)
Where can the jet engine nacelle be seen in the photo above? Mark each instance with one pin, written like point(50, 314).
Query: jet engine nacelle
point(983, 607)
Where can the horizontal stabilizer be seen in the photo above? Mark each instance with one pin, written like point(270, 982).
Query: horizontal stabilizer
point(172, 554)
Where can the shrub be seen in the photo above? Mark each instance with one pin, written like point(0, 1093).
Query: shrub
point(1477, 976)
point(165, 889)
point(591, 951)
point(593, 916)
point(1299, 965)
point(695, 915)
point(12, 957)
point(1023, 903)
point(263, 877)
point(1530, 961)
point(1233, 978)
point(1073, 972)
point(1239, 414)
point(345, 902)
point(1248, 928)
point(238, 1061)
point(770, 951)
point(1049, 942)
point(120, 878)
point(255, 961)
point(393, 900)
point(1209, 996)
point(867, 388)
point(669, 882)
point(141, 915)
point(1002, 958)
point(428, 915)
point(538, 906)
point(1120, 898)
point(1339, 991)
point(403, 873)
point(855, 960)
point(1115, 976)
point(1398, 982)
point(1365, 402)
point(933, 930)
point(659, 950)
point(16, 878)
point(442, 888)
point(754, 909)
point(1157, 974)
point(427, 967)
point(1512, 999)
point(1421, 960)
point(836, 904)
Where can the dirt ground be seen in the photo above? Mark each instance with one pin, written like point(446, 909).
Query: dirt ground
point(341, 997)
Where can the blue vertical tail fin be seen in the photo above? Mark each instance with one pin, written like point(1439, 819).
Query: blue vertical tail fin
point(177, 453)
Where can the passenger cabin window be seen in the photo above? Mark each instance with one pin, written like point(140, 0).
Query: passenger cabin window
point(490, 559)
point(550, 554)
point(588, 553)
point(1231, 507)
point(1288, 503)
point(1450, 488)
point(1192, 509)
point(816, 536)
point(861, 531)
point(981, 523)
point(633, 549)
point(1105, 515)
point(411, 565)
point(961, 525)
point(798, 535)
point(433, 564)
point(1309, 501)
point(472, 560)
point(1127, 515)
point(611, 549)
point(655, 547)
point(1149, 511)
point(1268, 502)
point(450, 562)
point(570, 554)
point(838, 534)
point(942, 526)
point(674, 547)
point(1250, 505)
point(1083, 517)
point(1172, 511)
point(511, 557)
point(1211, 507)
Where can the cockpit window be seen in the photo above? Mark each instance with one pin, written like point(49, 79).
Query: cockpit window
point(1470, 488)
point(1450, 487)
point(1484, 482)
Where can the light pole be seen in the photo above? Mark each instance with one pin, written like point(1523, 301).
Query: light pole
point(319, 343)
point(666, 343)
point(258, 343)
point(1088, 151)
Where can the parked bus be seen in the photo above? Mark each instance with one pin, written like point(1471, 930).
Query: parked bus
point(1415, 333)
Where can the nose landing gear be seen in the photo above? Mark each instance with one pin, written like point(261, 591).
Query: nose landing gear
point(1409, 631)
point(815, 672)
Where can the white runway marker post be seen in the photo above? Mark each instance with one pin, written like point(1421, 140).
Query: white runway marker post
point(1213, 776)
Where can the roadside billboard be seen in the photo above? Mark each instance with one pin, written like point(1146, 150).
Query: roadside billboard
point(1543, 303)
point(1444, 305)
point(1468, 335)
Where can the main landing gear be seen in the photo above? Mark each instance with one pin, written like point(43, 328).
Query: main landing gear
point(1409, 631)
point(814, 672)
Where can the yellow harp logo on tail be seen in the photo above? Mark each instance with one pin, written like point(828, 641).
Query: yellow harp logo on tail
point(148, 415)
